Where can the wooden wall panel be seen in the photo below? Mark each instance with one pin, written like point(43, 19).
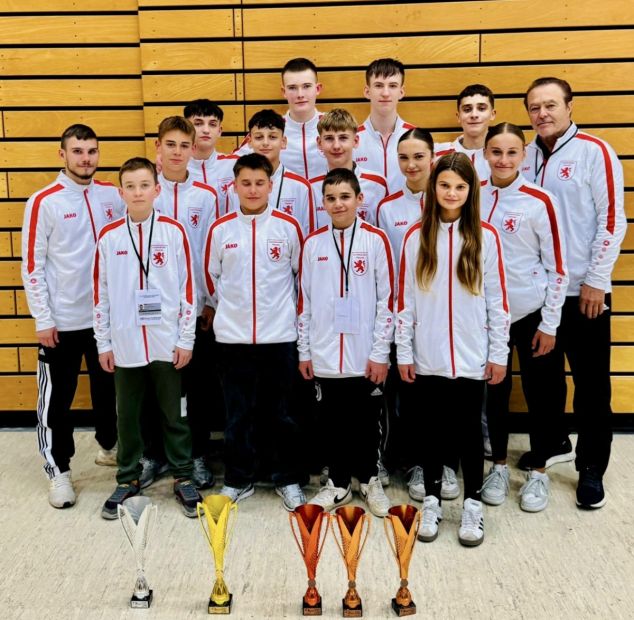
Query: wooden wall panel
point(122, 67)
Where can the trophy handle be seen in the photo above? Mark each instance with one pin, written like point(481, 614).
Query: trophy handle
point(291, 517)
point(199, 508)
point(367, 533)
point(331, 523)
point(325, 515)
point(233, 508)
point(387, 534)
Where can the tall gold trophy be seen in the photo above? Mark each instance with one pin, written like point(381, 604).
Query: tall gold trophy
point(352, 522)
point(309, 518)
point(218, 511)
point(405, 521)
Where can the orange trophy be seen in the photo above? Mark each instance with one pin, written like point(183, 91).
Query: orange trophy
point(309, 518)
point(352, 522)
point(405, 520)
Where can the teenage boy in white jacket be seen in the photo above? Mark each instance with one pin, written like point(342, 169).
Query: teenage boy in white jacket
point(144, 296)
point(251, 258)
point(345, 329)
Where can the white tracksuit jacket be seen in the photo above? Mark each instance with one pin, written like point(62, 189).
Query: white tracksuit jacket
point(195, 206)
point(476, 156)
point(397, 213)
point(291, 194)
point(302, 155)
point(216, 170)
point(527, 220)
point(251, 262)
point(61, 226)
point(447, 331)
point(117, 274)
point(373, 154)
point(370, 282)
point(373, 188)
point(585, 175)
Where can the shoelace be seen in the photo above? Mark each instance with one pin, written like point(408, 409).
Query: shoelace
point(496, 480)
point(292, 491)
point(61, 482)
point(471, 519)
point(417, 476)
point(531, 483)
point(449, 476)
point(120, 492)
point(430, 517)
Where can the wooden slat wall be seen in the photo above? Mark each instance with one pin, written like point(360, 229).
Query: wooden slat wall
point(122, 67)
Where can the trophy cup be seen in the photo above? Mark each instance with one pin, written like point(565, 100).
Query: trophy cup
point(217, 510)
point(309, 519)
point(136, 515)
point(352, 521)
point(405, 520)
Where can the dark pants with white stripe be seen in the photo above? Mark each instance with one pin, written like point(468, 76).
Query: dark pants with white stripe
point(451, 423)
point(351, 408)
point(586, 343)
point(544, 387)
point(258, 382)
point(57, 373)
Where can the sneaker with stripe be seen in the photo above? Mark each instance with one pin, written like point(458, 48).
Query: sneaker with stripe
point(471, 532)
point(120, 494)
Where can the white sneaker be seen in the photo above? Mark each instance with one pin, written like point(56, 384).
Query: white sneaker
point(416, 483)
point(534, 492)
point(495, 487)
point(374, 496)
point(61, 493)
point(330, 496)
point(449, 488)
point(292, 496)
point(383, 474)
point(237, 494)
point(323, 476)
point(432, 514)
point(107, 457)
point(471, 532)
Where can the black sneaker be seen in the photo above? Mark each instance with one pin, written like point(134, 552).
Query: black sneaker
point(561, 454)
point(187, 496)
point(121, 493)
point(590, 492)
point(201, 475)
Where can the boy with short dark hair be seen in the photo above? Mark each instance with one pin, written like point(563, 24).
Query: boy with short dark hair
point(291, 193)
point(337, 139)
point(144, 318)
point(345, 325)
point(475, 112)
point(207, 165)
point(195, 206)
point(379, 134)
point(251, 259)
point(300, 87)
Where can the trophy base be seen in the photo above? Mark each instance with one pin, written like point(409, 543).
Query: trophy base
point(311, 610)
point(403, 610)
point(141, 602)
point(215, 608)
point(352, 612)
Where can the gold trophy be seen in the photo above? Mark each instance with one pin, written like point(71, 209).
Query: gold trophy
point(405, 520)
point(309, 519)
point(217, 510)
point(352, 521)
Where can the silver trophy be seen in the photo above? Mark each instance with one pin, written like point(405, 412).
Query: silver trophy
point(137, 515)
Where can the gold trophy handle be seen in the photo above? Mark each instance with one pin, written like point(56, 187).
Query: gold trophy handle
point(232, 509)
point(367, 532)
point(199, 507)
point(387, 534)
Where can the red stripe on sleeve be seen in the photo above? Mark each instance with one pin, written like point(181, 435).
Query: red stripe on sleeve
point(390, 261)
point(33, 224)
point(505, 302)
point(401, 274)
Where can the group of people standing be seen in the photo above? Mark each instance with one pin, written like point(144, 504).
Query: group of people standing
point(388, 272)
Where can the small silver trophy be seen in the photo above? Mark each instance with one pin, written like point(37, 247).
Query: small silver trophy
point(136, 515)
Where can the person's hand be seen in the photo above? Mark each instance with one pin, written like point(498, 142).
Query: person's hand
point(306, 370)
point(591, 301)
point(181, 357)
point(106, 360)
point(407, 372)
point(542, 343)
point(377, 373)
point(48, 337)
point(494, 373)
point(207, 318)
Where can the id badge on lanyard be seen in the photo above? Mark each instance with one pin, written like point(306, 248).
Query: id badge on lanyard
point(148, 306)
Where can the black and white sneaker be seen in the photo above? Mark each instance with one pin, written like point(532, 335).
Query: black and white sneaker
point(562, 454)
point(590, 491)
point(237, 494)
point(187, 496)
point(330, 496)
point(120, 494)
point(471, 532)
